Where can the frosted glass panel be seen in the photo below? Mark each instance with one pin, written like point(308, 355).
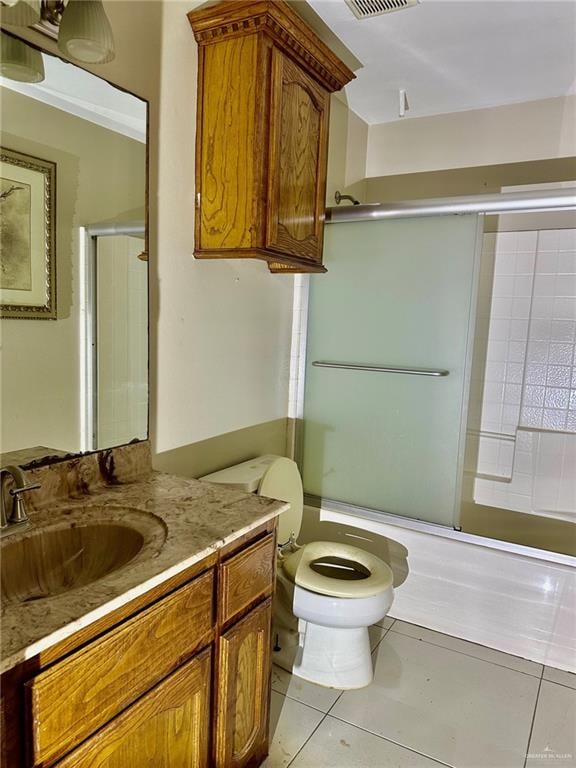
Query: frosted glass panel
point(397, 292)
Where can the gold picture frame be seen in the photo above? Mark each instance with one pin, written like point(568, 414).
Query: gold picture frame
point(27, 237)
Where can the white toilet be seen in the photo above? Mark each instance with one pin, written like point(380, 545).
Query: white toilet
point(335, 590)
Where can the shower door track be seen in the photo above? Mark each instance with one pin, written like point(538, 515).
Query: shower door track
point(503, 202)
point(434, 529)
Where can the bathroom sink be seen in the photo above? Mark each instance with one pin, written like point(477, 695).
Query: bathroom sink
point(70, 553)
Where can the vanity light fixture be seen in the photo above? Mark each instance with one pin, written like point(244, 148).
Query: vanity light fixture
point(19, 61)
point(21, 13)
point(85, 32)
point(81, 27)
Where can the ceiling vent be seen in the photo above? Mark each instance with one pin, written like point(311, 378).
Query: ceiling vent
point(365, 9)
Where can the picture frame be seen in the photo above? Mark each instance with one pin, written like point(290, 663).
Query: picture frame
point(27, 237)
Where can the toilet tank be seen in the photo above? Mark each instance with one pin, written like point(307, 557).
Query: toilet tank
point(274, 476)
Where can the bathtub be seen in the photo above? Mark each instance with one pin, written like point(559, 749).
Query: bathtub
point(510, 597)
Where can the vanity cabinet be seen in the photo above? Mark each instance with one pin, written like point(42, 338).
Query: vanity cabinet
point(181, 681)
point(264, 84)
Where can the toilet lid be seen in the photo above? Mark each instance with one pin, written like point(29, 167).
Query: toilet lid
point(282, 481)
point(330, 568)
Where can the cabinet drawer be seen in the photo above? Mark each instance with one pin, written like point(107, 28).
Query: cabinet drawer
point(246, 577)
point(169, 727)
point(74, 698)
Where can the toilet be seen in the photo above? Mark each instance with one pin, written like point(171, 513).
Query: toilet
point(334, 590)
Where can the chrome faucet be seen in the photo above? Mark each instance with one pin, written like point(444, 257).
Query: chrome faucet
point(18, 512)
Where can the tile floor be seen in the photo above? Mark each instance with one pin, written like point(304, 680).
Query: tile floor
point(435, 700)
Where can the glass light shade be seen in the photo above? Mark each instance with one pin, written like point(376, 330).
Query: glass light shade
point(85, 32)
point(19, 61)
point(22, 13)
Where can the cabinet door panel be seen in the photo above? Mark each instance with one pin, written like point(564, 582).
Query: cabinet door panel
point(167, 728)
point(297, 172)
point(229, 146)
point(75, 697)
point(243, 695)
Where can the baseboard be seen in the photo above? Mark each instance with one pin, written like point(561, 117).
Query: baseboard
point(512, 602)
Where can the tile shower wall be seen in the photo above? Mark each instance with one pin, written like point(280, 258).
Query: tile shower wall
point(549, 396)
point(526, 417)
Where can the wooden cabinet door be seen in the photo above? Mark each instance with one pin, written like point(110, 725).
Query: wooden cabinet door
point(243, 692)
point(167, 728)
point(74, 698)
point(299, 115)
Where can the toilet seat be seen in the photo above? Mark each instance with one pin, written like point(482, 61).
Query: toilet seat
point(298, 568)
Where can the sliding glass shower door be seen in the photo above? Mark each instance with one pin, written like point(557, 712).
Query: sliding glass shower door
point(399, 293)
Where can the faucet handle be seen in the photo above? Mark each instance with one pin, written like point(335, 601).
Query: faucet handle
point(16, 491)
point(18, 511)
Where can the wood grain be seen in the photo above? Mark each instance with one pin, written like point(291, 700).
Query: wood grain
point(229, 165)
point(298, 161)
point(246, 578)
point(112, 619)
point(278, 267)
point(243, 691)
point(74, 698)
point(248, 538)
point(283, 25)
point(167, 728)
point(264, 80)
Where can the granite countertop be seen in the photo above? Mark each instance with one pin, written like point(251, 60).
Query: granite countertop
point(186, 521)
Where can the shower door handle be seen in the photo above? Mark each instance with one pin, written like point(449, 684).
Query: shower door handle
point(382, 368)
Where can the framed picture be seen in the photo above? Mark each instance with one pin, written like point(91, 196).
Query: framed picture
point(27, 240)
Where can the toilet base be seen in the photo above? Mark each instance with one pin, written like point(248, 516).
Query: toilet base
point(334, 657)
point(324, 639)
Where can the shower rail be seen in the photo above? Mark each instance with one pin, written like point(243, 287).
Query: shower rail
point(382, 368)
point(563, 199)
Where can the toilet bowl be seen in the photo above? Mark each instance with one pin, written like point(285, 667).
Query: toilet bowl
point(334, 591)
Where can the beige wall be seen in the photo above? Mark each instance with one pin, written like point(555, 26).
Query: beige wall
point(346, 151)
point(535, 130)
point(100, 174)
point(220, 331)
point(470, 181)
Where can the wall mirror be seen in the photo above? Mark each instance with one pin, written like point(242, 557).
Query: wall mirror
point(73, 258)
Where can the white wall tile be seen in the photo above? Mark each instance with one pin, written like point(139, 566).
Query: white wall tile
point(539, 390)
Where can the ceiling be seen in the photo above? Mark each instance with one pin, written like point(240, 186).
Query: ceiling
point(454, 55)
point(80, 93)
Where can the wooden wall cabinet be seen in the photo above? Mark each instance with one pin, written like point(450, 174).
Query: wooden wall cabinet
point(264, 84)
point(183, 682)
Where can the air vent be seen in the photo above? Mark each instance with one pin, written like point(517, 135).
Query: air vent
point(365, 9)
